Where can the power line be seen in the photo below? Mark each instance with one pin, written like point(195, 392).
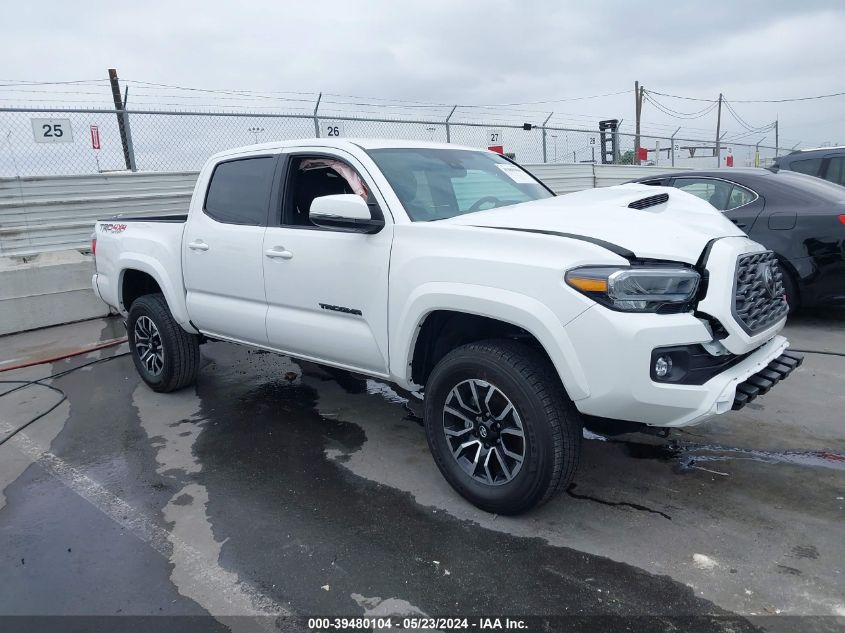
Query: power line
point(744, 123)
point(786, 100)
point(676, 113)
point(20, 82)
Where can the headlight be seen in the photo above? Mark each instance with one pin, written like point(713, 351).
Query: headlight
point(635, 289)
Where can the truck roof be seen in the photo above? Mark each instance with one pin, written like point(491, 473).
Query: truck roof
point(345, 143)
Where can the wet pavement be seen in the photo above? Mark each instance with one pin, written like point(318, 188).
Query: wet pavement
point(275, 488)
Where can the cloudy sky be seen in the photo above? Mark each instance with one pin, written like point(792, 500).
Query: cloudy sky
point(446, 51)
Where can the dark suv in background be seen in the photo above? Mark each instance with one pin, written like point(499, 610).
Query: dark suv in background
point(824, 162)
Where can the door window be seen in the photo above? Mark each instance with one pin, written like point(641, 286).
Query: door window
point(311, 177)
point(739, 196)
point(721, 194)
point(716, 192)
point(836, 170)
point(809, 166)
point(239, 191)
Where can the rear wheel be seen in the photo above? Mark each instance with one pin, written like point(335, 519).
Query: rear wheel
point(165, 355)
point(500, 426)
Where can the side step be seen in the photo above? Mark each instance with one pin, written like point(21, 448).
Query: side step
point(760, 383)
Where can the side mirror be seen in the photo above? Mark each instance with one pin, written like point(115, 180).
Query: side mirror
point(344, 212)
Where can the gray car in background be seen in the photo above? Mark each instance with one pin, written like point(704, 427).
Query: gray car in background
point(823, 162)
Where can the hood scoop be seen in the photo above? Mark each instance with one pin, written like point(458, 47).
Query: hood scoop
point(650, 201)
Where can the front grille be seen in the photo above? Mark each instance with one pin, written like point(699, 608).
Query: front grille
point(758, 292)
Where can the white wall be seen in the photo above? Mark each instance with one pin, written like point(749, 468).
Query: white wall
point(54, 213)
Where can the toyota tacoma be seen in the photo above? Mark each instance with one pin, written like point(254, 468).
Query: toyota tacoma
point(457, 275)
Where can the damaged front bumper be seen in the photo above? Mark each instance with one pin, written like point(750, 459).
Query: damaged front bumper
point(760, 383)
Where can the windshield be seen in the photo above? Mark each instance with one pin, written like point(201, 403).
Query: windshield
point(435, 184)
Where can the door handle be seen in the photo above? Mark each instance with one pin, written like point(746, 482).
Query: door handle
point(278, 252)
point(198, 245)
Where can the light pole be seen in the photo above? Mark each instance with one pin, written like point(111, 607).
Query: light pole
point(255, 131)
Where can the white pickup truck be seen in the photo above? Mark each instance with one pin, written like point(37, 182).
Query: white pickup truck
point(456, 274)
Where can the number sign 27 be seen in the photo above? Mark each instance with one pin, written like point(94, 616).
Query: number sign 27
point(52, 130)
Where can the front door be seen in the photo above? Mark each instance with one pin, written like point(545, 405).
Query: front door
point(326, 289)
point(222, 251)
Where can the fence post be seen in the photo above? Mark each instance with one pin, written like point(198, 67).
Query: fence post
point(122, 120)
point(672, 141)
point(544, 136)
point(448, 132)
point(317, 120)
point(130, 149)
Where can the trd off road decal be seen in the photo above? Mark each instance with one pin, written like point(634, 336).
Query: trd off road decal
point(113, 228)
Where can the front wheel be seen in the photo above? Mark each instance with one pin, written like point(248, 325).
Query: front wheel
point(500, 426)
point(165, 355)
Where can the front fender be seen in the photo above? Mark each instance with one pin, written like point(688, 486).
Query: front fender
point(504, 305)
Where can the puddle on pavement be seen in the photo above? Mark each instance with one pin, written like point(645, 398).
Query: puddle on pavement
point(303, 526)
point(686, 456)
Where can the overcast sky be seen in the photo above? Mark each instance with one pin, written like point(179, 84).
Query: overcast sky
point(450, 51)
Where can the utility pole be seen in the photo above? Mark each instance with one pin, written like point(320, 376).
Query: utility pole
point(121, 124)
point(638, 108)
point(777, 147)
point(718, 151)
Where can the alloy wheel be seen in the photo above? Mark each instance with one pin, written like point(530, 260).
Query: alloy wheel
point(148, 345)
point(484, 432)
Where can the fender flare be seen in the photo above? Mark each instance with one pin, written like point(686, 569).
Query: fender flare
point(503, 305)
point(146, 264)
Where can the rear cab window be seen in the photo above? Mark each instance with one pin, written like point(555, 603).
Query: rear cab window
point(239, 191)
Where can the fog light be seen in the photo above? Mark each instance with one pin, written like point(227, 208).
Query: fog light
point(662, 366)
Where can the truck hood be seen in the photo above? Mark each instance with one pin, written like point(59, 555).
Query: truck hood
point(677, 229)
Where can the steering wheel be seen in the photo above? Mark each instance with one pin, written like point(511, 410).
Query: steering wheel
point(481, 201)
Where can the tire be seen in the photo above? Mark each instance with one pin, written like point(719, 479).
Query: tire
point(151, 327)
point(551, 426)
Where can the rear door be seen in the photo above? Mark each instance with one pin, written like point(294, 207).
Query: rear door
point(221, 250)
point(326, 289)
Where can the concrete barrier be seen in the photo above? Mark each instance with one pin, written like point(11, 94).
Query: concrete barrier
point(47, 289)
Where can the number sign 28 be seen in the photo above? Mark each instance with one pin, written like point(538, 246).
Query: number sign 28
point(52, 130)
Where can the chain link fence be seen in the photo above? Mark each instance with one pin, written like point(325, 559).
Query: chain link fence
point(41, 141)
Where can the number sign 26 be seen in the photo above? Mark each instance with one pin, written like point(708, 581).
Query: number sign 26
point(331, 129)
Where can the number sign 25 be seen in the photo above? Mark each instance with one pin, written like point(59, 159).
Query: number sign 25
point(52, 130)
